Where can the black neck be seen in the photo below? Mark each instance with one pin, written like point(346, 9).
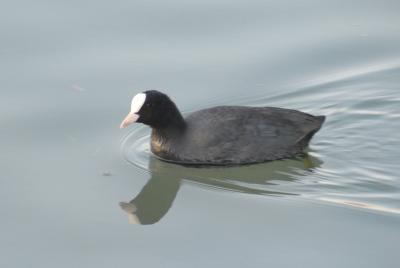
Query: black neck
point(170, 124)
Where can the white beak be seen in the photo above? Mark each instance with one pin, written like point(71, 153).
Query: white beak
point(129, 119)
point(136, 104)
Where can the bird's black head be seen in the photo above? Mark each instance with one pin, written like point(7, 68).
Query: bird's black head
point(155, 109)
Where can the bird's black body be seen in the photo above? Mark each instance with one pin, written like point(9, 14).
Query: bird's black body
point(226, 135)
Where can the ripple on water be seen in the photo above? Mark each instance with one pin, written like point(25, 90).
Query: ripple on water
point(353, 160)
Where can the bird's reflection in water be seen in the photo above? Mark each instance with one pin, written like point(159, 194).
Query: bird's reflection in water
point(157, 196)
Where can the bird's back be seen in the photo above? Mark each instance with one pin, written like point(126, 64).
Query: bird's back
point(241, 135)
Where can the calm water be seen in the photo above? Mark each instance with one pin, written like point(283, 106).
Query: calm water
point(77, 191)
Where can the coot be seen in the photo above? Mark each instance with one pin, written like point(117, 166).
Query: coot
point(223, 135)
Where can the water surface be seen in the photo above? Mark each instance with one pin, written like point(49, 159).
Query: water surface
point(78, 191)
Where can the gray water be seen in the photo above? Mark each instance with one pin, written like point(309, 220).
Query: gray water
point(76, 191)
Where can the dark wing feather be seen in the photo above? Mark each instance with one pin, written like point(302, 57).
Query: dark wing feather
point(237, 135)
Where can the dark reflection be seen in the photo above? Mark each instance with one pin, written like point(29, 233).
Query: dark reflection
point(153, 201)
point(157, 196)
